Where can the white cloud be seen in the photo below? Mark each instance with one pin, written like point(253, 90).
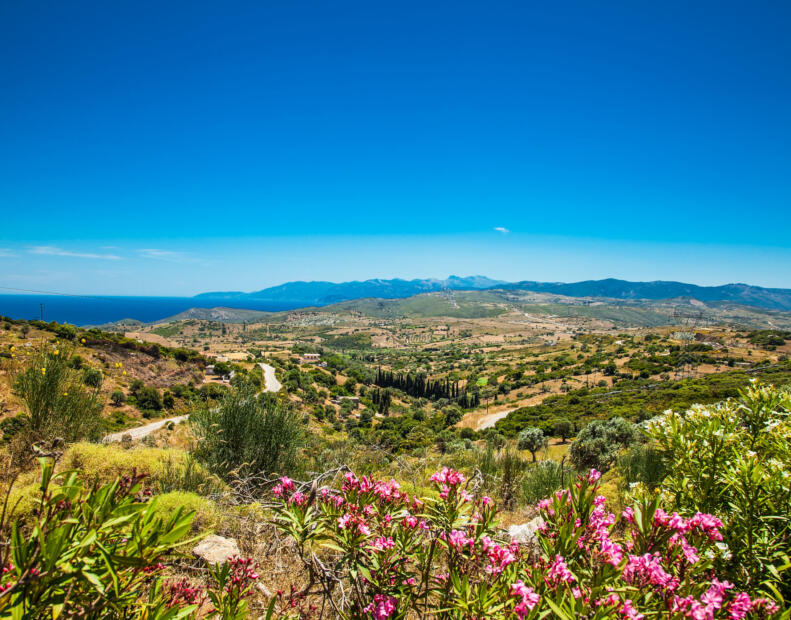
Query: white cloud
point(6, 253)
point(48, 250)
point(160, 254)
point(502, 229)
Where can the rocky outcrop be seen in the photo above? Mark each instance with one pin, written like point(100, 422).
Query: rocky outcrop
point(215, 549)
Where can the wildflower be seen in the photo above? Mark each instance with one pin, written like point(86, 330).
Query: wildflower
point(559, 571)
point(447, 476)
point(381, 607)
point(382, 543)
point(529, 598)
point(458, 539)
point(628, 611)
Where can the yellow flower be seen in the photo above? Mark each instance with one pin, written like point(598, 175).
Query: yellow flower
point(43, 370)
point(82, 340)
point(13, 347)
point(55, 352)
point(123, 372)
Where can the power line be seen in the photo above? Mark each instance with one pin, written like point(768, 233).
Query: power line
point(24, 290)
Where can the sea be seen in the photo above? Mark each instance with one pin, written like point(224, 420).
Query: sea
point(86, 310)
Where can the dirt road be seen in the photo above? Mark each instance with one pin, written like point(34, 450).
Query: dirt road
point(272, 384)
point(143, 431)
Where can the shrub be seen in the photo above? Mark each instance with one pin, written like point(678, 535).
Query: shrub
point(118, 398)
point(396, 556)
point(247, 434)
point(599, 443)
point(735, 458)
point(543, 479)
point(642, 464)
point(563, 428)
point(92, 377)
point(57, 402)
point(532, 439)
point(89, 552)
point(148, 398)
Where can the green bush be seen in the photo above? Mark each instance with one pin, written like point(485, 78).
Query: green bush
point(57, 402)
point(543, 479)
point(118, 398)
point(92, 377)
point(149, 399)
point(87, 553)
point(598, 444)
point(532, 439)
point(247, 434)
point(734, 459)
point(642, 464)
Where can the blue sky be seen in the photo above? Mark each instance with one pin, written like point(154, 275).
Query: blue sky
point(173, 148)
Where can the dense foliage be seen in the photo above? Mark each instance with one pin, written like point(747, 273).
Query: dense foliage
point(58, 403)
point(371, 550)
point(734, 458)
point(247, 434)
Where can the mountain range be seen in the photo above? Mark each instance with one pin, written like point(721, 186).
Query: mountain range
point(325, 293)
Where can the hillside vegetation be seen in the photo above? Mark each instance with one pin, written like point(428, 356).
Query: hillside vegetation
point(376, 484)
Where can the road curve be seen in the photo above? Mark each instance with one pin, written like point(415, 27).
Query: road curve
point(490, 420)
point(142, 431)
point(271, 382)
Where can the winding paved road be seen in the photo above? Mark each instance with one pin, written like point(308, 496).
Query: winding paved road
point(142, 431)
point(272, 384)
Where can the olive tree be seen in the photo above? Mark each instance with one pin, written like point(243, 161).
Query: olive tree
point(532, 439)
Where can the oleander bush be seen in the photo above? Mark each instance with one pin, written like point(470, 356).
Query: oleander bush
point(101, 552)
point(734, 459)
point(370, 550)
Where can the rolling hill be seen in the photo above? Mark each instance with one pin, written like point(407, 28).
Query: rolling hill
point(326, 293)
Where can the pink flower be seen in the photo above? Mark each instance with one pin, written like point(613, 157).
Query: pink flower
point(298, 498)
point(447, 476)
point(458, 539)
point(529, 598)
point(382, 543)
point(382, 607)
point(628, 611)
point(559, 571)
point(287, 483)
point(594, 476)
point(740, 606)
point(644, 570)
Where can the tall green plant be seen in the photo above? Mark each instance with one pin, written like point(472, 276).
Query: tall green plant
point(87, 553)
point(57, 401)
point(247, 434)
point(735, 459)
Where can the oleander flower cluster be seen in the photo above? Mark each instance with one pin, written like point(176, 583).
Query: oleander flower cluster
point(370, 550)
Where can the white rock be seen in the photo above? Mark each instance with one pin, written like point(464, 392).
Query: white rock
point(216, 549)
point(525, 533)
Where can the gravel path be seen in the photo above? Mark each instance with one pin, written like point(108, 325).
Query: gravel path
point(143, 431)
point(272, 384)
point(490, 420)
